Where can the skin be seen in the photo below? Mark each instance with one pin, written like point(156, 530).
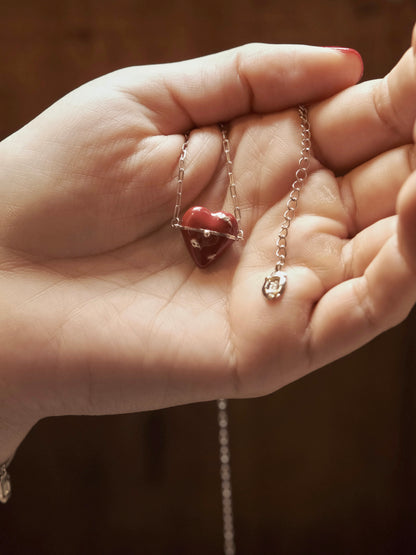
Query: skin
point(102, 309)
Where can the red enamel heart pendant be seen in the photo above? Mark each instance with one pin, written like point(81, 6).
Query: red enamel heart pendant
point(207, 234)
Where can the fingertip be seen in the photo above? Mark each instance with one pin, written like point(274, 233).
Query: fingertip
point(253, 78)
point(310, 73)
point(414, 39)
point(353, 55)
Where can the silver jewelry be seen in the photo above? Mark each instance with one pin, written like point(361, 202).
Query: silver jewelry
point(273, 287)
point(225, 473)
point(5, 483)
point(205, 240)
point(275, 283)
point(207, 234)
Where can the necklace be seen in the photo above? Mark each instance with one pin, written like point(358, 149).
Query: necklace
point(207, 235)
point(225, 476)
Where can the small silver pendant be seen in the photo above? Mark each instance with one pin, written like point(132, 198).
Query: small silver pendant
point(274, 285)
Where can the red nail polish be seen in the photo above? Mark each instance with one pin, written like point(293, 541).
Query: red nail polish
point(349, 51)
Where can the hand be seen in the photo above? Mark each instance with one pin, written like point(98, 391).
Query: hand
point(102, 309)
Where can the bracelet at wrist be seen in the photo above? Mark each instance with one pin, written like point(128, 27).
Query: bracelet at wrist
point(5, 483)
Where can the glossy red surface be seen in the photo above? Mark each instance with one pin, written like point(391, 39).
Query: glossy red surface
point(204, 247)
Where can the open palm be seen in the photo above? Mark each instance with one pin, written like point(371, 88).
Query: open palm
point(104, 311)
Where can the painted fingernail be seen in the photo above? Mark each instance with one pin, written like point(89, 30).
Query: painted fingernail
point(349, 51)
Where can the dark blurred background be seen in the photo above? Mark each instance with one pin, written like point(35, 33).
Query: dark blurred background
point(325, 466)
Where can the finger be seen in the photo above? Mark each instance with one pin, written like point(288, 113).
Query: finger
point(358, 253)
point(366, 120)
point(252, 78)
point(330, 212)
point(367, 214)
point(369, 192)
point(406, 207)
point(357, 310)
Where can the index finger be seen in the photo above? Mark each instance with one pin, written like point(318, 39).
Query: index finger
point(369, 119)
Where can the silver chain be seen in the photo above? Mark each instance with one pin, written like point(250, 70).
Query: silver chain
point(301, 175)
point(231, 183)
point(181, 174)
point(272, 288)
point(176, 222)
point(274, 283)
point(225, 473)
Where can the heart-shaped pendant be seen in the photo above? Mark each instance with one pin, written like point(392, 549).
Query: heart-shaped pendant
point(207, 234)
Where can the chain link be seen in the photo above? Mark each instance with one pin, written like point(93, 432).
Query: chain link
point(225, 474)
point(231, 183)
point(181, 174)
point(275, 283)
point(300, 177)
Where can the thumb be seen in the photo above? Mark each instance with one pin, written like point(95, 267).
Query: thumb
point(252, 78)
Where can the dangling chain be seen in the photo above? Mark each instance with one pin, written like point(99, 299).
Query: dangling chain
point(176, 222)
point(274, 283)
point(272, 288)
point(181, 174)
point(222, 415)
point(231, 182)
point(225, 473)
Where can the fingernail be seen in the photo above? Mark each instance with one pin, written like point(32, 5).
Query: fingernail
point(349, 51)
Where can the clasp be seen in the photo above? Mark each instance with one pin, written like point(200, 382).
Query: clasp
point(274, 284)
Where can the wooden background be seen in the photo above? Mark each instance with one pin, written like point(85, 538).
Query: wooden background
point(325, 466)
